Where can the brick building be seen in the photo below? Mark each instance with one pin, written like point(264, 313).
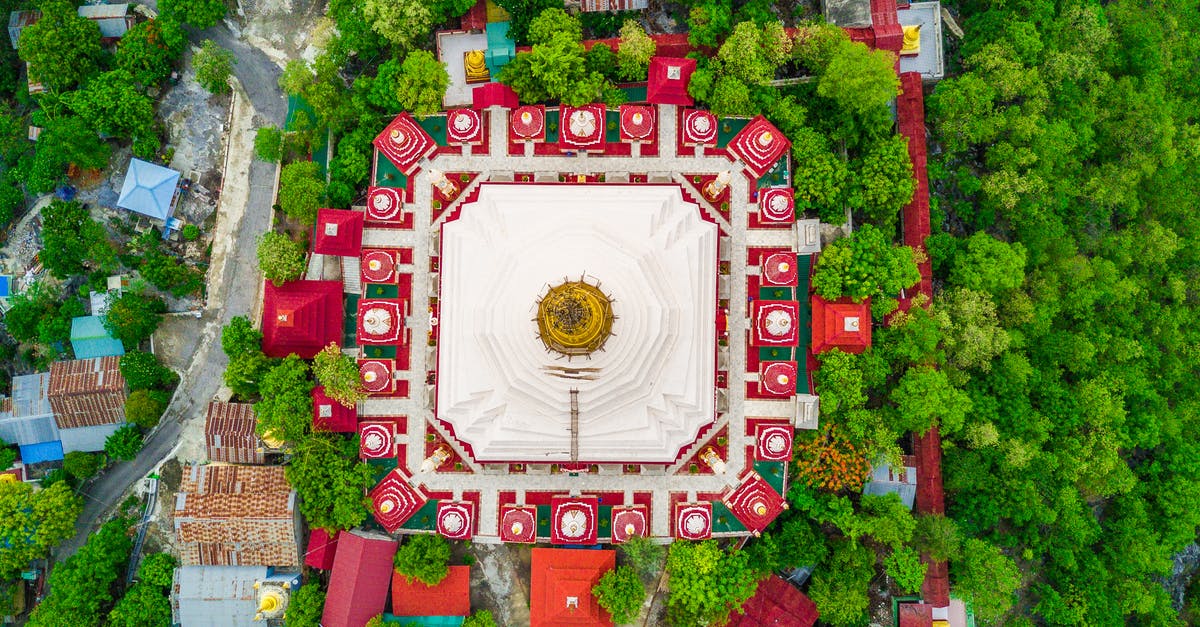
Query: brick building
point(87, 392)
point(236, 516)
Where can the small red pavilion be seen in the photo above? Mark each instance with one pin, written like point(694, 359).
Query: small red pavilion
point(759, 146)
point(450, 597)
point(561, 587)
point(358, 584)
point(301, 317)
point(776, 602)
point(339, 232)
point(668, 81)
point(405, 143)
point(322, 548)
point(330, 415)
point(842, 324)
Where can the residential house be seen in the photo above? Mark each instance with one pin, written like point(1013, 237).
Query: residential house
point(229, 434)
point(236, 516)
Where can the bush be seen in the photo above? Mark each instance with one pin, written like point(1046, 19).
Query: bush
point(305, 608)
point(481, 618)
point(125, 443)
point(268, 144)
point(190, 232)
point(643, 555)
point(424, 557)
point(144, 408)
point(82, 466)
point(620, 592)
point(279, 258)
point(142, 371)
point(214, 65)
point(157, 569)
point(300, 190)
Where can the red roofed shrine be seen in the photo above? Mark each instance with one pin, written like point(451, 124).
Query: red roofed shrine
point(451, 597)
point(405, 143)
point(494, 95)
point(561, 587)
point(394, 500)
point(842, 324)
point(759, 146)
point(668, 81)
point(358, 584)
point(301, 317)
point(755, 503)
point(776, 602)
point(338, 232)
point(322, 548)
point(330, 415)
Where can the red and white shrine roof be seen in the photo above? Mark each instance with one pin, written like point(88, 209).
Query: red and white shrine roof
point(774, 323)
point(394, 500)
point(842, 324)
point(339, 232)
point(405, 143)
point(779, 270)
point(759, 146)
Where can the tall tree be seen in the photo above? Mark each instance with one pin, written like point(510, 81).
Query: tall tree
point(67, 140)
point(422, 83)
point(300, 191)
point(73, 242)
point(32, 523)
point(424, 557)
point(133, 317)
point(81, 586)
point(339, 374)
point(214, 66)
point(279, 258)
point(707, 582)
point(62, 49)
point(285, 411)
point(149, 50)
point(199, 13)
point(331, 481)
point(112, 105)
point(403, 22)
point(633, 56)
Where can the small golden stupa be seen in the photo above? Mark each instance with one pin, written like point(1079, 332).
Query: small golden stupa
point(574, 318)
point(475, 66)
point(912, 40)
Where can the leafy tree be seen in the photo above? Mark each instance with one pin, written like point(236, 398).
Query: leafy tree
point(709, 22)
point(375, 621)
point(864, 265)
point(300, 191)
point(822, 183)
point(144, 408)
point(112, 106)
point(143, 605)
point(752, 52)
point(67, 140)
point(125, 443)
point(143, 371)
point(925, 398)
point(62, 49)
point(73, 242)
point(633, 56)
point(601, 59)
point(27, 310)
point(305, 607)
point(643, 555)
point(621, 594)
point(883, 182)
point(34, 522)
point(245, 371)
point(285, 411)
point(149, 50)
point(202, 14)
point(859, 79)
point(904, 565)
point(296, 77)
point(828, 460)
point(421, 83)
point(240, 337)
point(268, 144)
point(404, 23)
point(157, 569)
point(971, 331)
point(840, 588)
point(8, 455)
point(556, 69)
point(214, 66)
point(133, 317)
point(339, 374)
point(81, 585)
point(522, 13)
point(552, 22)
point(351, 165)
point(331, 481)
point(280, 259)
point(82, 466)
point(989, 265)
point(481, 618)
point(169, 274)
point(424, 557)
point(987, 577)
point(707, 582)
point(937, 535)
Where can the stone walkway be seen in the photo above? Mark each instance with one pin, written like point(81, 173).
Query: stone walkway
point(488, 481)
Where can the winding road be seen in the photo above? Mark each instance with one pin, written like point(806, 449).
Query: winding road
point(239, 279)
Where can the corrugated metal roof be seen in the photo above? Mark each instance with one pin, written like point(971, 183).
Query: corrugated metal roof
point(216, 596)
point(88, 439)
point(26, 430)
point(89, 339)
point(30, 395)
point(113, 19)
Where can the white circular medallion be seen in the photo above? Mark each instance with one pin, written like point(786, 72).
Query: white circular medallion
point(463, 122)
point(776, 443)
point(374, 441)
point(701, 124)
point(377, 321)
point(453, 522)
point(583, 123)
point(778, 323)
point(573, 524)
point(398, 137)
point(517, 528)
point(694, 524)
point(381, 202)
point(386, 506)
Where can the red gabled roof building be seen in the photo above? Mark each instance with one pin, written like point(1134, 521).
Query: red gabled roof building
point(301, 317)
point(321, 550)
point(330, 415)
point(668, 81)
point(776, 602)
point(560, 590)
point(358, 584)
point(451, 597)
point(87, 392)
point(339, 232)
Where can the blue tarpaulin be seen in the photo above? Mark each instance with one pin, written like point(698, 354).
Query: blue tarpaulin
point(43, 452)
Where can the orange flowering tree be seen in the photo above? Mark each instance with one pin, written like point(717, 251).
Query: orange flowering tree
point(828, 460)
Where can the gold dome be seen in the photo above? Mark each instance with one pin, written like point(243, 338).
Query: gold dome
point(574, 318)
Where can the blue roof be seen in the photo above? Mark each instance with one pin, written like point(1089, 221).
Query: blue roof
point(90, 339)
point(44, 452)
point(149, 189)
point(5, 285)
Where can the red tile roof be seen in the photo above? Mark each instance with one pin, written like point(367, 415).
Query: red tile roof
point(338, 232)
point(451, 597)
point(358, 584)
point(494, 94)
point(759, 146)
point(561, 585)
point(915, 615)
point(301, 317)
point(668, 81)
point(405, 143)
point(842, 324)
point(229, 434)
point(776, 602)
point(87, 392)
point(236, 515)
point(330, 415)
point(322, 548)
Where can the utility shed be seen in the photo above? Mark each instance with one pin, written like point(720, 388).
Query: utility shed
point(26, 418)
point(113, 19)
point(848, 13)
point(149, 189)
point(90, 339)
point(87, 392)
point(224, 596)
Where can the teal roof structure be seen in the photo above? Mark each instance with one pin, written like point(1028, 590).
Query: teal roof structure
point(149, 189)
point(90, 339)
point(500, 48)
